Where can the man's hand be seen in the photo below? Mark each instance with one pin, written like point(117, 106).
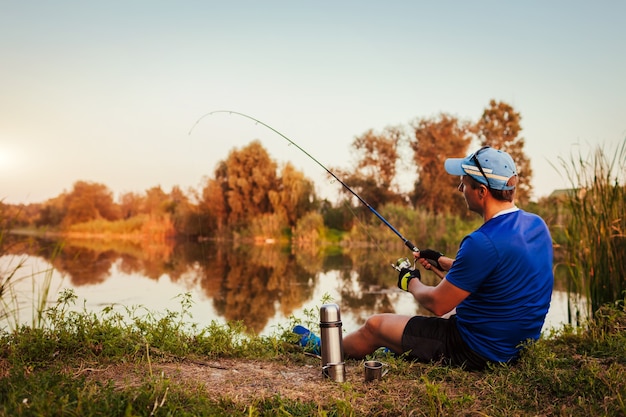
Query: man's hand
point(406, 275)
point(432, 256)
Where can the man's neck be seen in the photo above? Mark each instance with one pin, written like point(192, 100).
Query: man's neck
point(494, 207)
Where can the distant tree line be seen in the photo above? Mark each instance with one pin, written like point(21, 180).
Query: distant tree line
point(249, 195)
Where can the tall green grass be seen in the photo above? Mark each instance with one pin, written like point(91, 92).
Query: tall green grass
point(17, 278)
point(22, 288)
point(596, 228)
point(8, 301)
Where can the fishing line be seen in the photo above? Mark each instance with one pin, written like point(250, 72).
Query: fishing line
point(408, 243)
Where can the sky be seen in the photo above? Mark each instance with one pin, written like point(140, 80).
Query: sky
point(108, 91)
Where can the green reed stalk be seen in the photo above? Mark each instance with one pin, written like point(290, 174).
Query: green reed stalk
point(596, 228)
point(8, 301)
point(41, 292)
point(8, 275)
point(12, 277)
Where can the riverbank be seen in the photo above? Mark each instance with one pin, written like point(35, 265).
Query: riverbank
point(97, 365)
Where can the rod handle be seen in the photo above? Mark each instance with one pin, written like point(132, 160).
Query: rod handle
point(411, 246)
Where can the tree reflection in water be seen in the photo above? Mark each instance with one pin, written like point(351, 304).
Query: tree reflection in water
point(247, 283)
point(254, 284)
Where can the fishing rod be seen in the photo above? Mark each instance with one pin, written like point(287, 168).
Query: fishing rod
point(407, 242)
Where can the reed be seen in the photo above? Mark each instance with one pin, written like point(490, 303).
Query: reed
point(595, 229)
point(9, 306)
point(16, 276)
point(10, 270)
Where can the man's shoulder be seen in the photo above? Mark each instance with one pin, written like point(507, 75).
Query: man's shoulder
point(533, 219)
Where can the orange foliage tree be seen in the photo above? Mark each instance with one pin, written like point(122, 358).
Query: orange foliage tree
point(374, 176)
point(250, 174)
point(246, 186)
point(89, 201)
point(294, 196)
point(435, 140)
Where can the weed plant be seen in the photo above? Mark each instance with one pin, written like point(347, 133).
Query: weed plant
point(596, 227)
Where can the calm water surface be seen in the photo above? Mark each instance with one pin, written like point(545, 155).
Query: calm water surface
point(262, 286)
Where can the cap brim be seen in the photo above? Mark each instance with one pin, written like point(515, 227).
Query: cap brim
point(454, 166)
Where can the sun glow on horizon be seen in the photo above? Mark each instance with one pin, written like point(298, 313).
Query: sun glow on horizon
point(7, 160)
point(9, 156)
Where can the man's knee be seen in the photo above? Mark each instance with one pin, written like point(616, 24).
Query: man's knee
point(374, 324)
point(386, 328)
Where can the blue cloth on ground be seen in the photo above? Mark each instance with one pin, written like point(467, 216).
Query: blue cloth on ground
point(309, 341)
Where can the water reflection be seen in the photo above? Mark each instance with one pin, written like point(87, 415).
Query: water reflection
point(259, 285)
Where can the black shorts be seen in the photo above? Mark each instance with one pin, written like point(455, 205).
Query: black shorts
point(433, 339)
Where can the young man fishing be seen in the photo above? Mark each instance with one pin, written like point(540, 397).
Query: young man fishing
point(500, 282)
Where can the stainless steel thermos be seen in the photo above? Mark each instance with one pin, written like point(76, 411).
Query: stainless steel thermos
point(333, 365)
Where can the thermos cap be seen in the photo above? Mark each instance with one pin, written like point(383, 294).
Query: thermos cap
point(329, 313)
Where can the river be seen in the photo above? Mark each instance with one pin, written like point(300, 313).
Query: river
point(263, 286)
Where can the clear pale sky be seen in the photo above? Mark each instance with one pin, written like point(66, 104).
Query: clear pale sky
point(107, 91)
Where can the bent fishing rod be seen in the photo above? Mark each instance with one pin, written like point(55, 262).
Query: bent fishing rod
point(408, 243)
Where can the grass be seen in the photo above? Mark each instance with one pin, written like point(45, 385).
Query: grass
point(138, 362)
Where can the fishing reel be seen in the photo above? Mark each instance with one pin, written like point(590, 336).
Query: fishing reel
point(403, 263)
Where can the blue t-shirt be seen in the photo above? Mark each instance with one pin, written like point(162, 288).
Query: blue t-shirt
point(506, 265)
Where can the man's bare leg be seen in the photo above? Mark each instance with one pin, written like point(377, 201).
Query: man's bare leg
point(379, 330)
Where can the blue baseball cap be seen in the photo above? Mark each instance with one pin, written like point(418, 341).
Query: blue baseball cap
point(497, 167)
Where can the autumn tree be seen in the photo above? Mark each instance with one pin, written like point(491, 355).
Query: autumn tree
point(294, 196)
point(434, 141)
point(499, 127)
point(157, 205)
point(185, 215)
point(213, 200)
point(131, 204)
point(52, 212)
point(18, 215)
point(247, 177)
point(89, 201)
point(375, 171)
point(155, 202)
point(246, 187)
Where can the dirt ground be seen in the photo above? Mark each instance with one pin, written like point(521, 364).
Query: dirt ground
point(244, 381)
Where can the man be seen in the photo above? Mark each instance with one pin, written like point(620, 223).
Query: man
point(500, 282)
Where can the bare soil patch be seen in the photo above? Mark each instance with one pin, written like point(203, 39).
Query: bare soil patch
point(244, 381)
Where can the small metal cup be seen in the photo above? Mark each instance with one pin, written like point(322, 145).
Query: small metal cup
point(374, 370)
point(335, 371)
